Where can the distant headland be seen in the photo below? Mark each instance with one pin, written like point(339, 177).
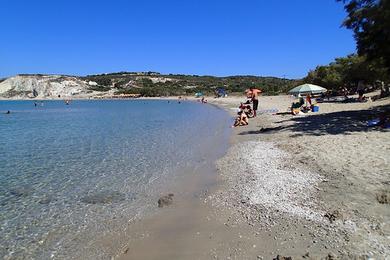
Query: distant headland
point(148, 84)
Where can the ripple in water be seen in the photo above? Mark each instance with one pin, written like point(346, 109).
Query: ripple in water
point(103, 197)
point(70, 174)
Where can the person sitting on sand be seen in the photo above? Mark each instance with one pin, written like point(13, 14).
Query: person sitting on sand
point(241, 119)
point(308, 100)
point(247, 109)
point(296, 107)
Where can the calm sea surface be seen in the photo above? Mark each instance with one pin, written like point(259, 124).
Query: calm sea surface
point(72, 173)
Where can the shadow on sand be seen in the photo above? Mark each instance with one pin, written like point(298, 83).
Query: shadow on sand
point(342, 122)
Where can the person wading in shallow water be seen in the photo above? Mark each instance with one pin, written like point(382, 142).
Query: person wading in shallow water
point(254, 94)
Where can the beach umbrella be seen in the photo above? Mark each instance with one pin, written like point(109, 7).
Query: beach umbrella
point(307, 89)
point(198, 94)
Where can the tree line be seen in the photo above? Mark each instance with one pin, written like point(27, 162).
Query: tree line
point(370, 22)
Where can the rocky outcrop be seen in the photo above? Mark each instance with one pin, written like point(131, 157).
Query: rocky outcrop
point(43, 86)
point(165, 200)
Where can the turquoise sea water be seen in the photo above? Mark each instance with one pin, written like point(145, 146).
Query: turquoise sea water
point(70, 173)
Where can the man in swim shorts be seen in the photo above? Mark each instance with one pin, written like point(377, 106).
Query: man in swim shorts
point(255, 99)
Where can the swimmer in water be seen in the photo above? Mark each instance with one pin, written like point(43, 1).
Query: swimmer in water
point(8, 112)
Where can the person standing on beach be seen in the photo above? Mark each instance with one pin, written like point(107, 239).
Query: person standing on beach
point(254, 95)
point(360, 90)
point(345, 92)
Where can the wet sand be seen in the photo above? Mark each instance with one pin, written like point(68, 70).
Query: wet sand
point(312, 186)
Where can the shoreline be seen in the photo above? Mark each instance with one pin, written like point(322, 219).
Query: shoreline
point(86, 97)
point(304, 186)
point(116, 215)
point(309, 211)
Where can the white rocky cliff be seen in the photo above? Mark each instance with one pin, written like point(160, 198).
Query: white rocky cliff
point(43, 86)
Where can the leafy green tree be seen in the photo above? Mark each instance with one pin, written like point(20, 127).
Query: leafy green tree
point(347, 71)
point(370, 22)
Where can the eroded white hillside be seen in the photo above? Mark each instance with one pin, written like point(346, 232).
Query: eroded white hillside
point(44, 86)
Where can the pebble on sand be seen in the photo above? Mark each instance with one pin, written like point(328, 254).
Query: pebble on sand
point(165, 200)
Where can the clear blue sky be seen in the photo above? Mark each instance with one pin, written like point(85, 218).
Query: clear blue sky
point(204, 37)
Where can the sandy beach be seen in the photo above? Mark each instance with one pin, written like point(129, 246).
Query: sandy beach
point(195, 130)
point(311, 187)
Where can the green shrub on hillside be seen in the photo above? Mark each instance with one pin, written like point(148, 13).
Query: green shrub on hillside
point(185, 84)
